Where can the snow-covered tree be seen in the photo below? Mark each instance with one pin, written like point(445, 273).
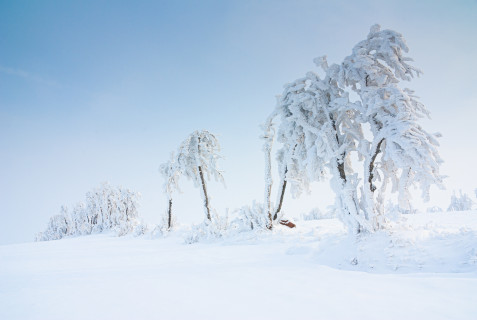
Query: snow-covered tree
point(197, 160)
point(109, 207)
point(268, 137)
point(58, 227)
point(320, 128)
point(460, 202)
point(105, 208)
point(318, 132)
point(170, 171)
point(400, 151)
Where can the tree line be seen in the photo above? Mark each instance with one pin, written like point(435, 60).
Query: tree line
point(353, 121)
point(320, 128)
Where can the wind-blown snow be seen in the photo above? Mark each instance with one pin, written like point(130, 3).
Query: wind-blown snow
point(422, 268)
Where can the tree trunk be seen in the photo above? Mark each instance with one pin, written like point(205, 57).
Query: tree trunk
point(347, 196)
point(204, 189)
point(283, 187)
point(340, 166)
point(268, 204)
point(267, 149)
point(347, 199)
point(369, 202)
point(372, 187)
point(169, 215)
point(339, 162)
point(282, 194)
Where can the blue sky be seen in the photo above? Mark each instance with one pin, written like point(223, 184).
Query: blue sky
point(94, 91)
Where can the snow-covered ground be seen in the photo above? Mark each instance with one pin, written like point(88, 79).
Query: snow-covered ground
point(422, 268)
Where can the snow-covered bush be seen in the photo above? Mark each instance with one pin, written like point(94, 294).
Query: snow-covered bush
point(434, 209)
point(251, 218)
point(393, 213)
point(105, 208)
point(158, 231)
point(317, 214)
point(140, 230)
point(58, 227)
point(460, 202)
point(211, 229)
point(167, 223)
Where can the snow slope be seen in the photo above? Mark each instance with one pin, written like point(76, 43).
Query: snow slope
point(424, 267)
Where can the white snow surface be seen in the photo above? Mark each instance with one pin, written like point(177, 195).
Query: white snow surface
point(423, 267)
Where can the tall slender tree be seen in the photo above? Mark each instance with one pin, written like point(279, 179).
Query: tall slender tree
point(268, 137)
point(197, 160)
point(170, 171)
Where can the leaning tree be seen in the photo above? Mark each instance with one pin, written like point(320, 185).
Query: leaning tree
point(317, 131)
point(320, 128)
point(197, 160)
point(400, 151)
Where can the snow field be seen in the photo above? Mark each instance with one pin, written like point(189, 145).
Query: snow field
point(423, 268)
